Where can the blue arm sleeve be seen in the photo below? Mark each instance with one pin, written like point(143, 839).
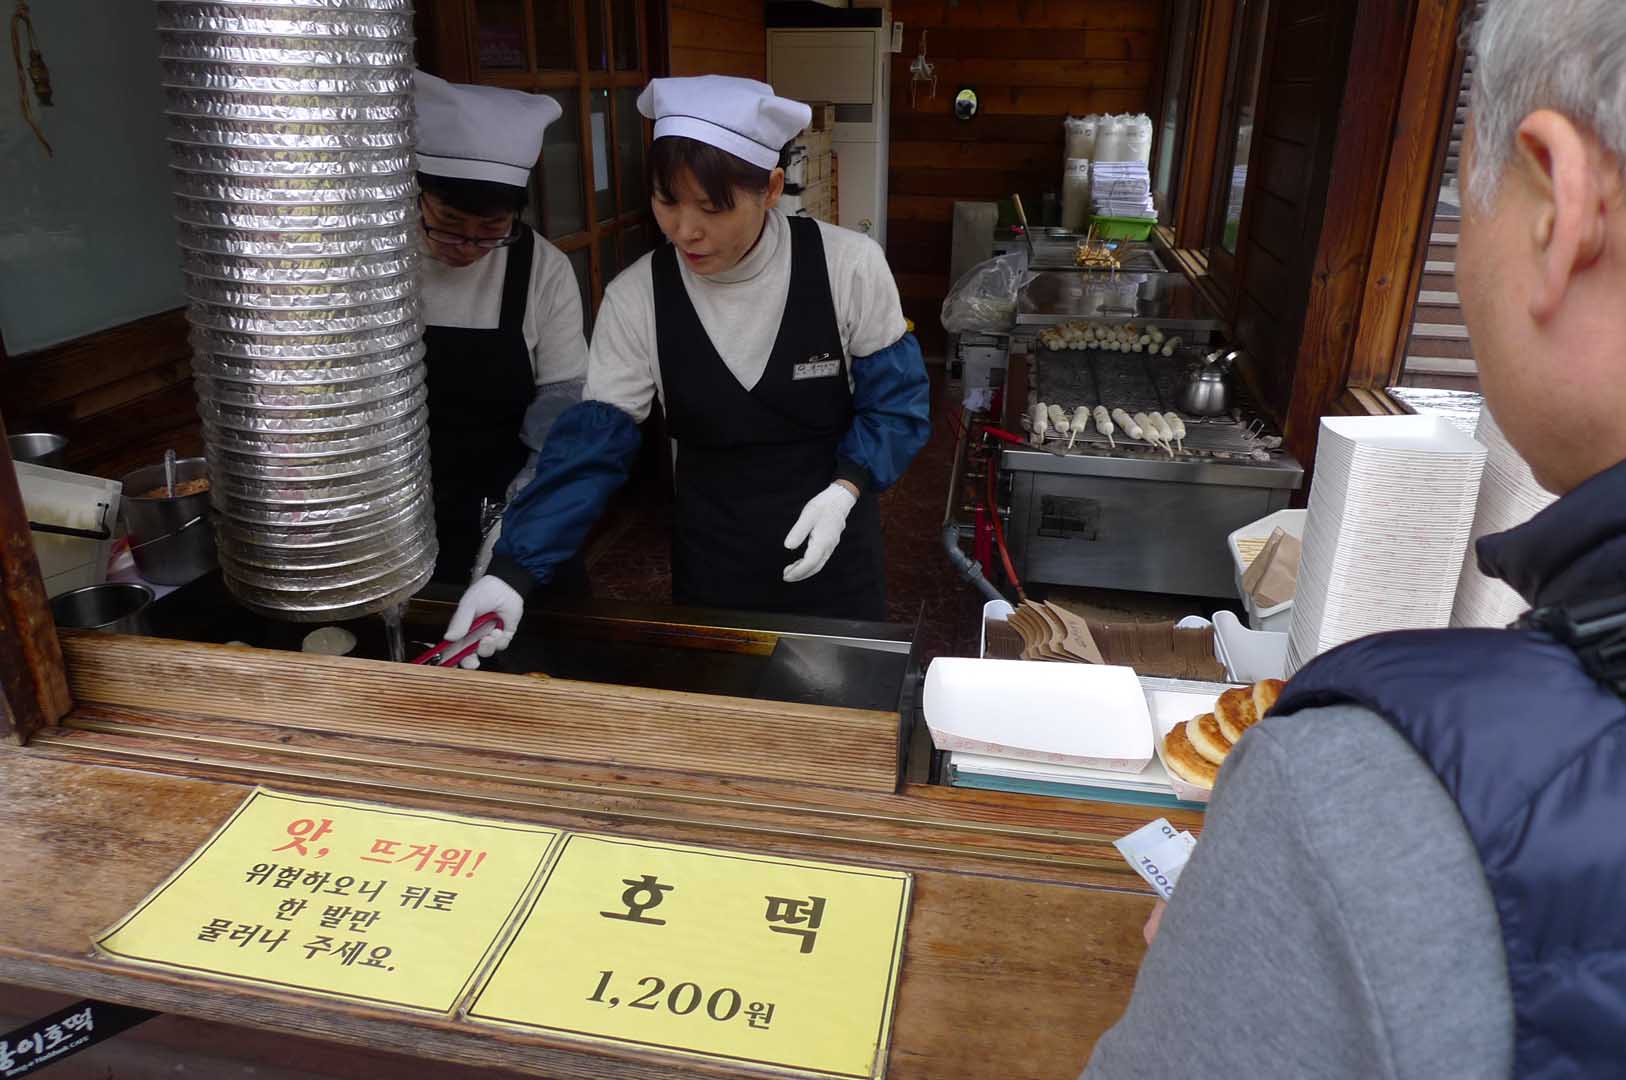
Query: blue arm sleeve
point(585, 459)
point(892, 399)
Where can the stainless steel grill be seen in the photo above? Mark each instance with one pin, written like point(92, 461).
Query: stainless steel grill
point(291, 135)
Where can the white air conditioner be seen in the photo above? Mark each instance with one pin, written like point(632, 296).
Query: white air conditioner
point(849, 68)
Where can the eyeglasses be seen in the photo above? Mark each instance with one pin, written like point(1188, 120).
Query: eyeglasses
point(452, 239)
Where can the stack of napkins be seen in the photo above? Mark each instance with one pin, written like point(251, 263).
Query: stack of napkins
point(1390, 514)
point(1122, 189)
point(1508, 496)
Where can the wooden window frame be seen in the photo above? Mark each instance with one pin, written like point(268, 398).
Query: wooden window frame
point(1375, 236)
point(1225, 267)
point(457, 23)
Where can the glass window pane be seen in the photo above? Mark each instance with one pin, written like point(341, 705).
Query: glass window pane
point(603, 193)
point(555, 35)
point(598, 49)
point(1250, 57)
point(564, 208)
point(629, 149)
point(501, 34)
point(609, 256)
point(581, 263)
point(627, 56)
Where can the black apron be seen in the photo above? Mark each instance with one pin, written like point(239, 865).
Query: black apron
point(480, 384)
point(749, 460)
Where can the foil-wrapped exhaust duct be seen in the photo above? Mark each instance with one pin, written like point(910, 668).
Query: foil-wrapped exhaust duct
point(291, 137)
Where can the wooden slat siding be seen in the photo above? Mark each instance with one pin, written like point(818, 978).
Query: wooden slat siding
point(1306, 50)
point(1054, 102)
point(1400, 262)
point(40, 381)
point(717, 37)
point(121, 395)
point(1364, 144)
point(553, 718)
point(1031, 836)
point(1028, 14)
point(1032, 62)
point(1050, 44)
point(1199, 159)
point(33, 688)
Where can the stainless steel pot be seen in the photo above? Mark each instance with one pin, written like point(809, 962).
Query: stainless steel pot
point(112, 608)
point(170, 538)
point(38, 448)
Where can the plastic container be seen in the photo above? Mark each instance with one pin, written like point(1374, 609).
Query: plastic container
point(75, 501)
point(1291, 521)
point(1075, 194)
point(1248, 655)
point(1122, 228)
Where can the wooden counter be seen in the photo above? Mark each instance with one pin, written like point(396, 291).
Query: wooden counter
point(1023, 936)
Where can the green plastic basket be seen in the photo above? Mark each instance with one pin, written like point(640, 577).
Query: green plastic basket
point(1122, 228)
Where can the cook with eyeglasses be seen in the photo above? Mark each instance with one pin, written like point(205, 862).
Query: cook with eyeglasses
point(501, 306)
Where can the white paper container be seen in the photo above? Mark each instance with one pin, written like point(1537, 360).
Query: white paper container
point(1171, 707)
point(1280, 615)
point(1066, 714)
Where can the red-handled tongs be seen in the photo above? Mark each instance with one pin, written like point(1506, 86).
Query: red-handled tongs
point(483, 627)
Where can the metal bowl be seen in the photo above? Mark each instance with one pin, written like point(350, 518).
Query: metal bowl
point(110, 608)
point(38, 448)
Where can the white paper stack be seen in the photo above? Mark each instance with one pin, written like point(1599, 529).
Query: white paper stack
point(1508, 496)
point(1390, 514)
point(1122, 189)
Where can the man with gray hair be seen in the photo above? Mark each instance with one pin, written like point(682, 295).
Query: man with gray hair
point(1416, 865)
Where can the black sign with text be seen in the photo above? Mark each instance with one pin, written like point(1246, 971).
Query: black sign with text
point(64, 1033)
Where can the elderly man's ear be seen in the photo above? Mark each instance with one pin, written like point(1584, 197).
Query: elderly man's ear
point(1571, 183)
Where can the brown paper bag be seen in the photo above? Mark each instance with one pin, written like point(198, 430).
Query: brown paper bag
point(1280, 579)
point(1256, 569)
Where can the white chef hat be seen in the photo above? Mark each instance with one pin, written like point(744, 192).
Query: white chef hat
point(480, 132)
point(741, 116)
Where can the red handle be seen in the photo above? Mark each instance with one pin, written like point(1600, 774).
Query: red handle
point(469, 644)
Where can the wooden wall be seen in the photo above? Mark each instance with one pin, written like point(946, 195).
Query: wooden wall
point(1305, 62)
point(1031, 62)
point(121, 396)
point(718, 37)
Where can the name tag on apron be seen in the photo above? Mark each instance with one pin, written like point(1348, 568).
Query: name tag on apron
point(823, 366)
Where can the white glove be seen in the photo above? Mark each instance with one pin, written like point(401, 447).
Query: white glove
point(820, 525)
point(486, 595)
point(487, 547)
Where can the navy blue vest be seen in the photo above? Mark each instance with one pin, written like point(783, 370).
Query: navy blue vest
point(1533, 750)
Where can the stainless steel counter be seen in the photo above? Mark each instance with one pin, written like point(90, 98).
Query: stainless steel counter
point(1130, 516)
point(1167, 299)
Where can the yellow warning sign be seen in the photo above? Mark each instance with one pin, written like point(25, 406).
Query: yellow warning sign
point(750, 958)
point(389, 906)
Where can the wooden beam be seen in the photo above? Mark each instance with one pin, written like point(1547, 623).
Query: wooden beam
point(32, 682)
point(1378, 58)
point(572, 721)
point(1204, 113)
point(1410, 192)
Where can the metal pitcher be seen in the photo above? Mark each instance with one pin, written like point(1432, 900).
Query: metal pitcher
point(1207, 389)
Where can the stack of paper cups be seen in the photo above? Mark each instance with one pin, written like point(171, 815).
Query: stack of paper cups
point(1390, 515)
point(1508, 496)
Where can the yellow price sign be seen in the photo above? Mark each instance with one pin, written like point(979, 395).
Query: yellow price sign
point(369, 903)
point(750, 958)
